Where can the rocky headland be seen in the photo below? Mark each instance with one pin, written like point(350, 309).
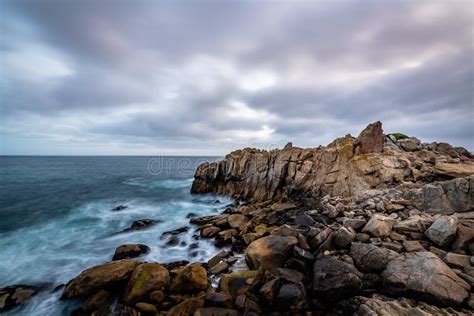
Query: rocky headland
point(369, 225)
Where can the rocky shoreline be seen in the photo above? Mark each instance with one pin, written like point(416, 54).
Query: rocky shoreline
point(373, 225)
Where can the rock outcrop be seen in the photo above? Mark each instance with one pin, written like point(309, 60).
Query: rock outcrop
point(347, 167)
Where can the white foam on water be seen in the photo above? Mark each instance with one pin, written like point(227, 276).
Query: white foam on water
point(55, 252)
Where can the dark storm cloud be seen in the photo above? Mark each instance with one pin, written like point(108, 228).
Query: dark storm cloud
point(208, 76)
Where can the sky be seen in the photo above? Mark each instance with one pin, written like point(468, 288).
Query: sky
point(199, 77)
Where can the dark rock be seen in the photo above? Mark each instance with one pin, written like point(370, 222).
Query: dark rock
point(119, 208)
point(343, 237)
point(97, 300)
point(146, 309)
point(335, 279)
point(237, 283)
point(370, 258)
point(288, 275)
point(187, 307)
point(141, 224)
point(302, 254)
point(191, 215)
point(129, 251)
point(304, 220)
point(269, 291)
point(175, 232)
point(218, 299)
point(291, 297)
point(16, 295)
point(354, 223)
point(174, 264)
point(172, 241)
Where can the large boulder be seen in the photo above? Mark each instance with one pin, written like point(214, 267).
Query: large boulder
point(99, 277)
point(424, 275)
point(146, 278)
point(443, 231)
point(447, 197)
point(370, 258)
point(16, 295)
point(335, 279)
point(191, 278)
point(270, 251)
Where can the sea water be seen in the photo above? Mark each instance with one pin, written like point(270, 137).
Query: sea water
point(56, 217)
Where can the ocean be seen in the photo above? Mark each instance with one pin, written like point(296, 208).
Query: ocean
point(57, 219)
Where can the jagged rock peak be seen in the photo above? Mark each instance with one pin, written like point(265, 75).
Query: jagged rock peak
point(347, 167)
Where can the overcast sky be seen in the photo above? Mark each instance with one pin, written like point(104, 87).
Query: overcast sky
point(206, 77)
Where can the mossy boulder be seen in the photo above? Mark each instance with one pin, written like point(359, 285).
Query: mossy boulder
point(191, 278)
point(237, 283)
point(145, 279)
point(15, 295)
point(398, 136)
point(93, 279)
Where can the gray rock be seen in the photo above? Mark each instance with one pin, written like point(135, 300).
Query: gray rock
point(343, 237)
point(443, 231)
point(370, 258)
point(335, 279)
point(424, 275)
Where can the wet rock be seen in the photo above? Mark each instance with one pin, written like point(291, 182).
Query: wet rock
point(237, 221)
point(379, 226)
point(291, 297)
point(99, 277)
point(146, 278)
point(370, 258)
point(443, 231)
point(237, 283)
point(141, 224)
point(335, 279)
point(175, 232)
point(156, 297)
point(119, 208)
point(129, 251)
point(191, 215)
point(174, 264)
point(218, 257)
point(424, 275)
point(192, 278)
point(16, 295)
point(269, 251)
point(219, 268)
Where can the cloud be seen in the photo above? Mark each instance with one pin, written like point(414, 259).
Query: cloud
point(206, 77)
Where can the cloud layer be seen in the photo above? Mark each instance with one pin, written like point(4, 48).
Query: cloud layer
point(206, 77)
